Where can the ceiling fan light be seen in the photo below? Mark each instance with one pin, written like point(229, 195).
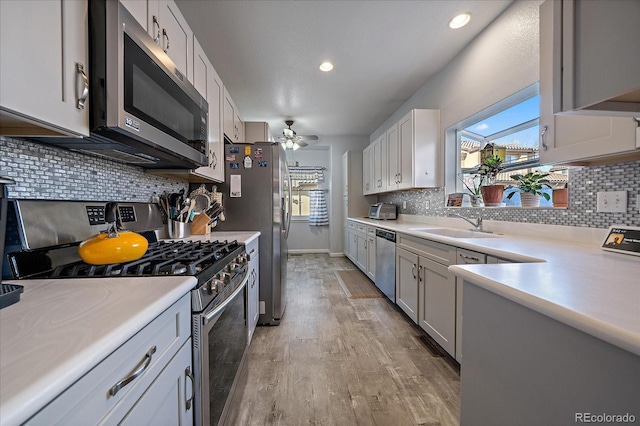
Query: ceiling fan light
point(326, 66)
point(295, 146)
point(289, 144)
point(460, 21)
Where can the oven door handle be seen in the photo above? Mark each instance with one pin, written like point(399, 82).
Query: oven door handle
point(210, 315)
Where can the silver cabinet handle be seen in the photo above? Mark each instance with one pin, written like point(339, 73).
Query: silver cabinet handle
point(420, 274)
point(188, 374)
point(543, 137)
point(156, 25)
point(140, 368)
point(84, 80)
point(165, 36)
point(214, 160)
point(413, 271)
point(475, 259)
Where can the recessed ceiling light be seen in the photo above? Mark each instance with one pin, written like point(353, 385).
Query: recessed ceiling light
point(460, 21)
point(326, 66)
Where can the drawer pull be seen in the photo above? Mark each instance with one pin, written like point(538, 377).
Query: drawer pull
point(413, 271)
point(475, 259)
point(140, 368)
point(188, 374)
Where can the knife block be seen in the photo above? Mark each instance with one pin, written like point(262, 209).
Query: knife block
point(200, 224)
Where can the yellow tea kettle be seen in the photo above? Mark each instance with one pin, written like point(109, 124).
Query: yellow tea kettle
point(115, 245)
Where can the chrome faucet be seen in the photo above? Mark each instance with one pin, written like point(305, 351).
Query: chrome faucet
point(477, 225)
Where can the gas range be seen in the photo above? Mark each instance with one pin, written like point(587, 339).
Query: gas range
point(218, 266)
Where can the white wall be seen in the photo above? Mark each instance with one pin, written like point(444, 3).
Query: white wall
point(502, 60)
point(302, 237)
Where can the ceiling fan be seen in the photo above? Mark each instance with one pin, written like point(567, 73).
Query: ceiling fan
point(291, 140)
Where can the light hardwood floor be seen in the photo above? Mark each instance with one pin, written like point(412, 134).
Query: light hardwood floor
point(339, 361)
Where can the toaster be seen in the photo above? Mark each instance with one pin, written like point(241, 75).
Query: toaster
point(382, 211)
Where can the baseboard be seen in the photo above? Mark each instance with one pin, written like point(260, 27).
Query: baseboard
point(309, 251)
point(339, 254)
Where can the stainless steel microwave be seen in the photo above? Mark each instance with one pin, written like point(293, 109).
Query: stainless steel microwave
point(143, 110)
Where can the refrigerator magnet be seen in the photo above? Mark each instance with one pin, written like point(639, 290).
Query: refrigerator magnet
point(230, 158)
point(234, 166)
point(234, 150)
point(262, 164)
point(235, 186)
point(248, 162)
point(247, 150)
point(257, 152)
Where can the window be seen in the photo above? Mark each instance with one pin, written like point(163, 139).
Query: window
point(511, 125)
point(303, 179)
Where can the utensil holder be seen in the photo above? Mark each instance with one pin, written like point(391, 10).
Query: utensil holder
point(178, 229)
point(200, 224)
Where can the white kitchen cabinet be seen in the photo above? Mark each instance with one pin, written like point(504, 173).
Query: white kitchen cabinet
point(44, 56)
point(413, 151)
point(257, 131)
point(595, 68)
point(355, 203)
point(94, 398)
point(379, 164)
point(253, 287)
point(407, 282)
point(467, 257)
point(232, 122)
point(371, 252)
point(575, 138)
point(367, 166)
point(169, 399)
point(361, 247)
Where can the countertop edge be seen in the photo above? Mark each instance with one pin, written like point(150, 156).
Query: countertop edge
point(616, 336)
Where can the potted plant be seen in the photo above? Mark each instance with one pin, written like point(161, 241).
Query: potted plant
point(531, 187)
point(474, 187)
point(488, 170)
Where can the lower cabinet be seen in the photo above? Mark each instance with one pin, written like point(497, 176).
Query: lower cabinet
point(148, 377)
point(360, 247)
point(437, 303)
point(253, 287)
point(407, 282)
point(371, 252)
point(172, 389)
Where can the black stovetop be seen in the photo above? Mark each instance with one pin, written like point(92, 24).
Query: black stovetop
point(202, 259)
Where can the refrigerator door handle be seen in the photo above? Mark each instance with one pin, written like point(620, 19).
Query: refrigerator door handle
point(290, 201)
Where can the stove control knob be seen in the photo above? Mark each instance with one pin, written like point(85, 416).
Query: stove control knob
point(225, 277)
point(214, 287)
point(242, 259)
point(234, 267)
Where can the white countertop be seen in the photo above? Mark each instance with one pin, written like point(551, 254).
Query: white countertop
point(60, 329)
point(592, 290)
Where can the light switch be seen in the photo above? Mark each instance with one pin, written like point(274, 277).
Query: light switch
point(612, 201)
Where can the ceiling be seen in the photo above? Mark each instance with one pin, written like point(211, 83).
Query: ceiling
point(268, 52)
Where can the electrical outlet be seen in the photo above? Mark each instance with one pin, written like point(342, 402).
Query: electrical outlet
point(404, 204)
point(427, 204)
point(612, 201)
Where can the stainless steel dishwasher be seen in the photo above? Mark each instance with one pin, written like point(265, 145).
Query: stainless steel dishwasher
point(386, 263)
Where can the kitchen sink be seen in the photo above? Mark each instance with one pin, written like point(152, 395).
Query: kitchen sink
point(455, 233)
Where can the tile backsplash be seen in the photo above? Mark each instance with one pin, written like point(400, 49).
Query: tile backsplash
point(47, 172)
point(584, 183)
point(50, 173)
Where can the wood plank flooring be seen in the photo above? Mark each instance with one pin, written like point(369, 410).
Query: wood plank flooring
point(339, 361)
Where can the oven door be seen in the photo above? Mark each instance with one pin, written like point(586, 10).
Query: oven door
point(220, 343)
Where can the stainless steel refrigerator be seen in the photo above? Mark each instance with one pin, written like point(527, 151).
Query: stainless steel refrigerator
point(256, 197)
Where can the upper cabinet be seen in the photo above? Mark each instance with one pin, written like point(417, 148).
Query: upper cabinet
point(257, 131)
point(166, 25)
point(413, 151)
point(597, 56)
point(233, 123)
point(572, 138)
point(43, 83)
point(367, 166)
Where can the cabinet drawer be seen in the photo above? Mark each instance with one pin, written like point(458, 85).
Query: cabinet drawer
point(253, 248)
point(361, 228)
point(469, 257)
point(89, 400)
point(438, 252)
point(371, 230)
point(352, 225)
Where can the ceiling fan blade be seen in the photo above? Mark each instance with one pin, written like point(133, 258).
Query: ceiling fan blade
point(301, 144)
point(309, 137)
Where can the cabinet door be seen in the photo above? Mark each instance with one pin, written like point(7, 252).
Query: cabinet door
point(361, 259)
point(572, 138)
point(239, 125)
point(379, 178)
point(41, 43)
point(138, 9)
point(437, 303)
point(353, 246)
point(229, 116)
point(345, 174)
point(407, 282)
point(176, 37)
point(367, 187)
point(169, 399)
point(253, 294)
point(209, 84)
point(393, 161)
point(371, 257)
point(405, 151)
